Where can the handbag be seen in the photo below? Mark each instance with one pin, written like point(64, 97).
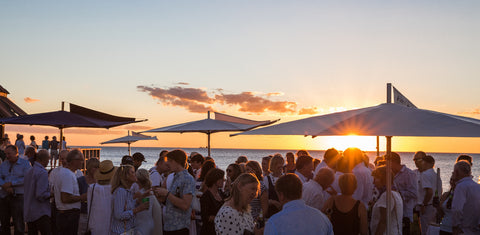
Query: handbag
point(130, 231)
point(88, 232)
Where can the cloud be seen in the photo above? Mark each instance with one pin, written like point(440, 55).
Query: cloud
point(275, 94)
point(30, 100)
point(249, 102)
point(137, 127)
point(308, 111)
point(198, 100)
point(472, 112)
point(183, 83)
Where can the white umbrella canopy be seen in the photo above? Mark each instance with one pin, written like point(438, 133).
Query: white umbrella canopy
point(130, 139)
point(221, 123)
point(383, 120)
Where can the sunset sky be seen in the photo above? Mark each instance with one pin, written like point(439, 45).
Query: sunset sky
point(171, 61)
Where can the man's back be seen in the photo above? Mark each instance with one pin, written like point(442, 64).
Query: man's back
point(298, 218)
point(465, 205)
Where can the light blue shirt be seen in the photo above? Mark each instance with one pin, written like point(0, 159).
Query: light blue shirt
point(15, 174)
point(37, 194)
point(176, 218)
point(123, 218)
point(466, 205)
point(298, 218)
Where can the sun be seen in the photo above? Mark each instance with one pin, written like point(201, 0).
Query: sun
point(365, 143)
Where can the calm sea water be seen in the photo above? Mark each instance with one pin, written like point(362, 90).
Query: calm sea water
point(223, 157)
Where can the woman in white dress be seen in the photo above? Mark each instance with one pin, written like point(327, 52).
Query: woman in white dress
point(234, 216)
point(148, 222)
point(99, 199)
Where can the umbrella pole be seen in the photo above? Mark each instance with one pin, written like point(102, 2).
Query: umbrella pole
point(378, 145)
point(389, 182)
point(208, 146)
point(61, 139)
point(2, 130)
point(129, 151)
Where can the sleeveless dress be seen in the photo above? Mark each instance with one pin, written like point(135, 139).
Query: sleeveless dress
point(345, 223)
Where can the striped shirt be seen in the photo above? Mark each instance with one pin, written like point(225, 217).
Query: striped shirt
point(123, 218)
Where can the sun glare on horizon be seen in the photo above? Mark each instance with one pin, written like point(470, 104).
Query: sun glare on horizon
point(365, 143)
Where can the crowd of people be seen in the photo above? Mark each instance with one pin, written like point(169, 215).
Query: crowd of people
point(189, 194)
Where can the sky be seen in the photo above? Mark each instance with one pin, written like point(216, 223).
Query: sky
point(171, 61)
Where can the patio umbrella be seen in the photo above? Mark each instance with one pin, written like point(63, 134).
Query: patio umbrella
point(7, 109)
point(77, 117)
point(130, 139)
point(221, 123)
point(383, 120)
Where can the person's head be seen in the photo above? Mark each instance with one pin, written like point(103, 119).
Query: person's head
point(290, 158)
point(206, 167)
point(289, 187)
point(62, 157)
point(418, 158)
point(43, 157)
point(75, 159)
point(347, 183)
point(266, 164)
point(241, 159)
point(176, 160)
point(30, 152)
point(20, 137)
point(464, 157)
point(316, 162)
point(324, 177)
point(138, 158)
point(63, 138)
point(395, 160)
point(127, 160)
point(143, 179)
point(196, 161)
point(32, 138)
point(380, 177)
point(163, 153)
point(343, 165)
point(302, 152)
point(354, 156)
point(330, 157)
point(305, 165)
point(92, 166)
point(161, 166)
point(461, 170)
point(244, 189)
point(233, 171)
point(46, 137)
point(428, 162)
point(276, 164)
point(215, 178)
point(105, 172)
point(378, 159)
point(254, 168)
point(54, 138)
point(124, 177)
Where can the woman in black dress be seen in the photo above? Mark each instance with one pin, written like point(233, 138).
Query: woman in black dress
point(211, 200)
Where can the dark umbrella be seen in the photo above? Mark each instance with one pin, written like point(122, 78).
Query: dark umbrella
point(77, 117)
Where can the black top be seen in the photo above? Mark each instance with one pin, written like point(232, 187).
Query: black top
point(209, 207)
point(346, 223)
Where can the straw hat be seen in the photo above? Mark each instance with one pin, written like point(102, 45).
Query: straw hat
point(105, 170)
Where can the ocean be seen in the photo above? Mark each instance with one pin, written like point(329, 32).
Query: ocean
point(223, 157)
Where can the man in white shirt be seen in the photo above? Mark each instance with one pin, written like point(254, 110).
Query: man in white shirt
point(67, 194)
point(157, 176)
point(315, 192)
point(428, 185)
point(466, 201)
point(364, 191)
point(329, 160)
point(304, 169)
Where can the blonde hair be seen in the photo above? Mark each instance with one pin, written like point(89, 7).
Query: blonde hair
point(143, 179)
point(120, 177)
point(276, 159)
point(242, 180)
